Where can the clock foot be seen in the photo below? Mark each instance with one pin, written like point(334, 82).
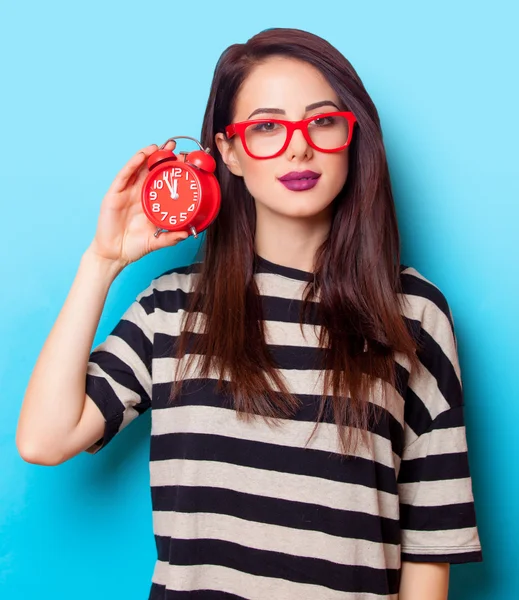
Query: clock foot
point(194, 232)
point(158, 231)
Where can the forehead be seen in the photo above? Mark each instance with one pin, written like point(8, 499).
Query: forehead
point(285, 83)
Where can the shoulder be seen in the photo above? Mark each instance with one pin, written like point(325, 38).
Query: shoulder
point(423, 297)
point(169, 290)
point(180, 277)
point(436, 386)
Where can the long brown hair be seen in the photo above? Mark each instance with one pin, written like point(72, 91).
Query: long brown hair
point(357, 272)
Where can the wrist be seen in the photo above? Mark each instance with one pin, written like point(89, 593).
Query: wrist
point(104, 267)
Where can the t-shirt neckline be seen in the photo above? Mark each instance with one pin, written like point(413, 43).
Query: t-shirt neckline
point(266, 266)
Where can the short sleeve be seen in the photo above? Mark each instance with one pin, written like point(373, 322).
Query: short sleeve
point(437, 512)
point(118, 376)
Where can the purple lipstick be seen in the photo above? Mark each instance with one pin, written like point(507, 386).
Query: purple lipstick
point(298, 181)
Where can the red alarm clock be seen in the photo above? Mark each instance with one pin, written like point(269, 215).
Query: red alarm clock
point(181, 193)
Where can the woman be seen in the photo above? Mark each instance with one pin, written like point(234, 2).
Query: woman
point(307, 411)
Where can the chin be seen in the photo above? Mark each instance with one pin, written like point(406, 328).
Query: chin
point(295, 204)
point(302, 211)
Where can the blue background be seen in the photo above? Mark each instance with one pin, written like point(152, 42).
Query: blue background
point(84, 86)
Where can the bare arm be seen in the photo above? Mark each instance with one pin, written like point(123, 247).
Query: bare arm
point(57, 419)
point(55, 397)
point(426, 581)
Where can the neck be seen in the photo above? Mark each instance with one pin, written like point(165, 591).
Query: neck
point(290, 241)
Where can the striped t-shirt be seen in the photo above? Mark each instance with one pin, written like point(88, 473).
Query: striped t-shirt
point(245, 510)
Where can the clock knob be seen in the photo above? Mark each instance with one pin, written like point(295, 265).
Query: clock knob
point(160, 156)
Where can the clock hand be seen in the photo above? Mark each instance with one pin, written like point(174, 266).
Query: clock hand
point(165, 177)
point(174, 193)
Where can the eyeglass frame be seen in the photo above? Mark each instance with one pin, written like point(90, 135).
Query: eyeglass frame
point(291, 126)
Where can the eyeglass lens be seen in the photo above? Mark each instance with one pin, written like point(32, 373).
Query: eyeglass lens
point(327, 133)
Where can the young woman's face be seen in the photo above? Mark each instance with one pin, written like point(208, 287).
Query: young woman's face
point(290, 86)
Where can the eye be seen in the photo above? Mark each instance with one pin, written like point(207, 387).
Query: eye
point(266, 127)
point(322, 121)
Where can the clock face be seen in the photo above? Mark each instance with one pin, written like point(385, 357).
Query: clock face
point(172, 195)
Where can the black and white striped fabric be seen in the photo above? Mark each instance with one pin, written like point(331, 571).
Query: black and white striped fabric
point(244, 510)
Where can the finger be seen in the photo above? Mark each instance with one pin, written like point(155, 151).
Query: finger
point(140, 174)
point(134, 164)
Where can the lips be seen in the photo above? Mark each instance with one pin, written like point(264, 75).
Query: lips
point(293, 175)
point(299, 181)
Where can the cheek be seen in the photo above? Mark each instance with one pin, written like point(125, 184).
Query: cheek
point(258, 175)
point(339, 173)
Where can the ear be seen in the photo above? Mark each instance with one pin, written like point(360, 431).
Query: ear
point(226, 149)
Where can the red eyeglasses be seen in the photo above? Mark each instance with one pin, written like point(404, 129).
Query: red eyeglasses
point(267, 138)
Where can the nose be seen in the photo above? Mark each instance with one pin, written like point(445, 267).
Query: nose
point(298, 147)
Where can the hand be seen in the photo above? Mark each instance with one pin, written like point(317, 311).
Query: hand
point(124, 233)
point(174, 194)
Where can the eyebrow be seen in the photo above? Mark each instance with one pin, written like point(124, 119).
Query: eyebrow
point(280, 111)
